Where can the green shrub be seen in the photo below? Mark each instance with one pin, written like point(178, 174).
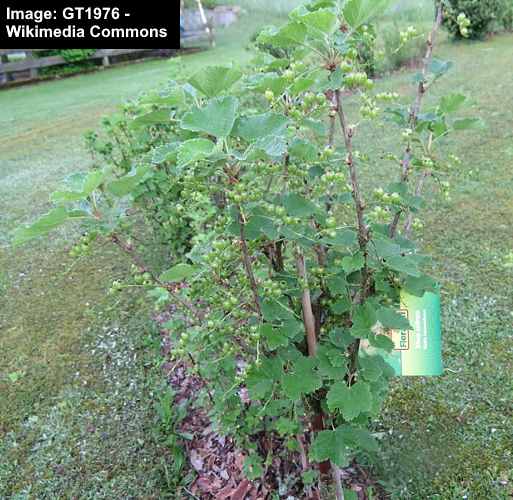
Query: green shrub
point(76, 59)
point(365, 45)
point(207, 4)
point(296, 266)
point(482, 15)
point(397, 54)
point(507, 15)
point(69, 55)
point(130, 138)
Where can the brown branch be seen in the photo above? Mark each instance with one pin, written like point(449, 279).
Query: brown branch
point(363, 231)
point(415, 110)
point(332, 119)
point(246, 260)
point(306, 302)
point(339, 490)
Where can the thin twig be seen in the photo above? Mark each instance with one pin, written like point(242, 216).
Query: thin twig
point(246, 260)
point(363, 231)
point(305, 464)
point(332, 120)
point(415, 110)
point(418, 192)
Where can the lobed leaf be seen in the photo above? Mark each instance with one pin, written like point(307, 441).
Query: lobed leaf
point(216, 118)
point(126, 184)
point(351, 401)
point(48, 222)
point(214, 80)
point(179, 272)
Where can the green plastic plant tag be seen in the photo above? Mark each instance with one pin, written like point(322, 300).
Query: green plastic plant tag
point(418, 352)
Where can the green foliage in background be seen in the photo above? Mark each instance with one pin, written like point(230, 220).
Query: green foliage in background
point(76, 59)
point(482, 14)
point(507, 15)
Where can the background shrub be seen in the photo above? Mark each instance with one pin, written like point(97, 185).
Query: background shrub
point(207, 4)
point(507, 15)
point(481, 13)
point(76, 59)
point(397, 55)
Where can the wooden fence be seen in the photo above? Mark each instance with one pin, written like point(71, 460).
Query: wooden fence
point(27, 68)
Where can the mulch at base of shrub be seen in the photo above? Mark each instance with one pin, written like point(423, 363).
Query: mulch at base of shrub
point(219, 464)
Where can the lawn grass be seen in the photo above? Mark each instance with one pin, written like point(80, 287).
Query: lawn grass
point(446, 438)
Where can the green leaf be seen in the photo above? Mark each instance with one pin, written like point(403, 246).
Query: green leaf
point(336, 445)
point(252, 467)
point(47, 223)
point(323, 20)
point(275, 311)
point(357, 438)
point(152, 118)
point(287, 36)
point(330, 445)
point(371, 367)
point(385, 246)
point(275, 337)
point(254, 127)
point(286, 426)
point(214, 80)
point(194, 150)
point(93, 180)
point(303, 379)
point(350, 401)
point(451, 103)
point(261, 379)
point(269, 81)
point(337, 285)
point(341, 338)
point(352, 263)
point(358, 12)
point(364, 318)
point(216, 118)
point(390, 318)
point(83, 184)
point(343, 238)
point(419, 286)
point(273, 146)
point(165, 152)
point(381, 342)
point(179, 272)
point(159, 295)
point(298, 206)
point(403, 264)
point(350, 494)
point(329, 369)
point(303, 151)
point(170, 97)
point(468, 123)
point(125, 185)
point(439, 67)
point(300, 85)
